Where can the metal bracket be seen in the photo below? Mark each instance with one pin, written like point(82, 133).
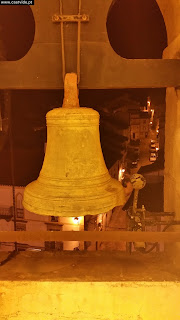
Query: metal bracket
point(72, 18)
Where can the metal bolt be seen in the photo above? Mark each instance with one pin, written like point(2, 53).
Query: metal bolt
point(55, 18)
point(84, 18)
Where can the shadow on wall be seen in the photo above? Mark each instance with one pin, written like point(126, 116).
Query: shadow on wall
point(136, 29)
point(17, 30)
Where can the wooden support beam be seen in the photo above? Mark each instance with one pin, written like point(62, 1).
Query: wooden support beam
point(127, 236)
point(101, 68)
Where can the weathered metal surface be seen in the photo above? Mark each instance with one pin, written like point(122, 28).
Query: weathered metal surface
point(100, 66)
point(128, 236)
point(72, 181)
point(73, 18)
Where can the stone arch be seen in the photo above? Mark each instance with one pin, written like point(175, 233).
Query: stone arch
point(19, 199)
point(17, 31)
point(170, 10)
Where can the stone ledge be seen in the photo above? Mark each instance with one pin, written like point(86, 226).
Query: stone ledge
point(89, 301)
point(88, 266)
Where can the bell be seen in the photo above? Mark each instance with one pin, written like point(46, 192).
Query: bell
point(74, 180)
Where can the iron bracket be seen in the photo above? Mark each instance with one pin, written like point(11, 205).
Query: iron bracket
point(70, 18)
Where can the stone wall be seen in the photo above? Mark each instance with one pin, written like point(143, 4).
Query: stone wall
point(172, 139)
point(89, 300)
point(171, 12)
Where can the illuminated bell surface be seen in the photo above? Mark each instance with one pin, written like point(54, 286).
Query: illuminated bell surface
point(74, 180)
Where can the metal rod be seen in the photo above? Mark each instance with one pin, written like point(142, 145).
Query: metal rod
point(78, 44)
point(79, 9)
point(62, 44)
point(160, 214)
point(127, 236)
point(161, 223)
point(12, 163)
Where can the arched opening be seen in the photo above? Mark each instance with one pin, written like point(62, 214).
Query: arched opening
point(136, 29)
point(17, 30)
point(19, 205)
point(19, 199)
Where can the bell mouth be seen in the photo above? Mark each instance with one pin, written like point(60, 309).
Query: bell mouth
point(67, 201)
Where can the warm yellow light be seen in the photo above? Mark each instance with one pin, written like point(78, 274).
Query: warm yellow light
point(76, 220)
point(121, 173)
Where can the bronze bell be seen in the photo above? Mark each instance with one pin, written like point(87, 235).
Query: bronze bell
point(74, 180)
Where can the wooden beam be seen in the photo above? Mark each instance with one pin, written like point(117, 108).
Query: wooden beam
point(101, 67)
point(127, 236)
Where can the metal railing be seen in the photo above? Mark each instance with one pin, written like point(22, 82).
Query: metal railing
point(6, 211)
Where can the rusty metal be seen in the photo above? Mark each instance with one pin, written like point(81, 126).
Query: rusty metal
point(73, 18)
point(138, 182)
point(101, 67)
point(128, 236)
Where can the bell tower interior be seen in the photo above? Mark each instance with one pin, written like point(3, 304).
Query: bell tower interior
point(79, 38)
